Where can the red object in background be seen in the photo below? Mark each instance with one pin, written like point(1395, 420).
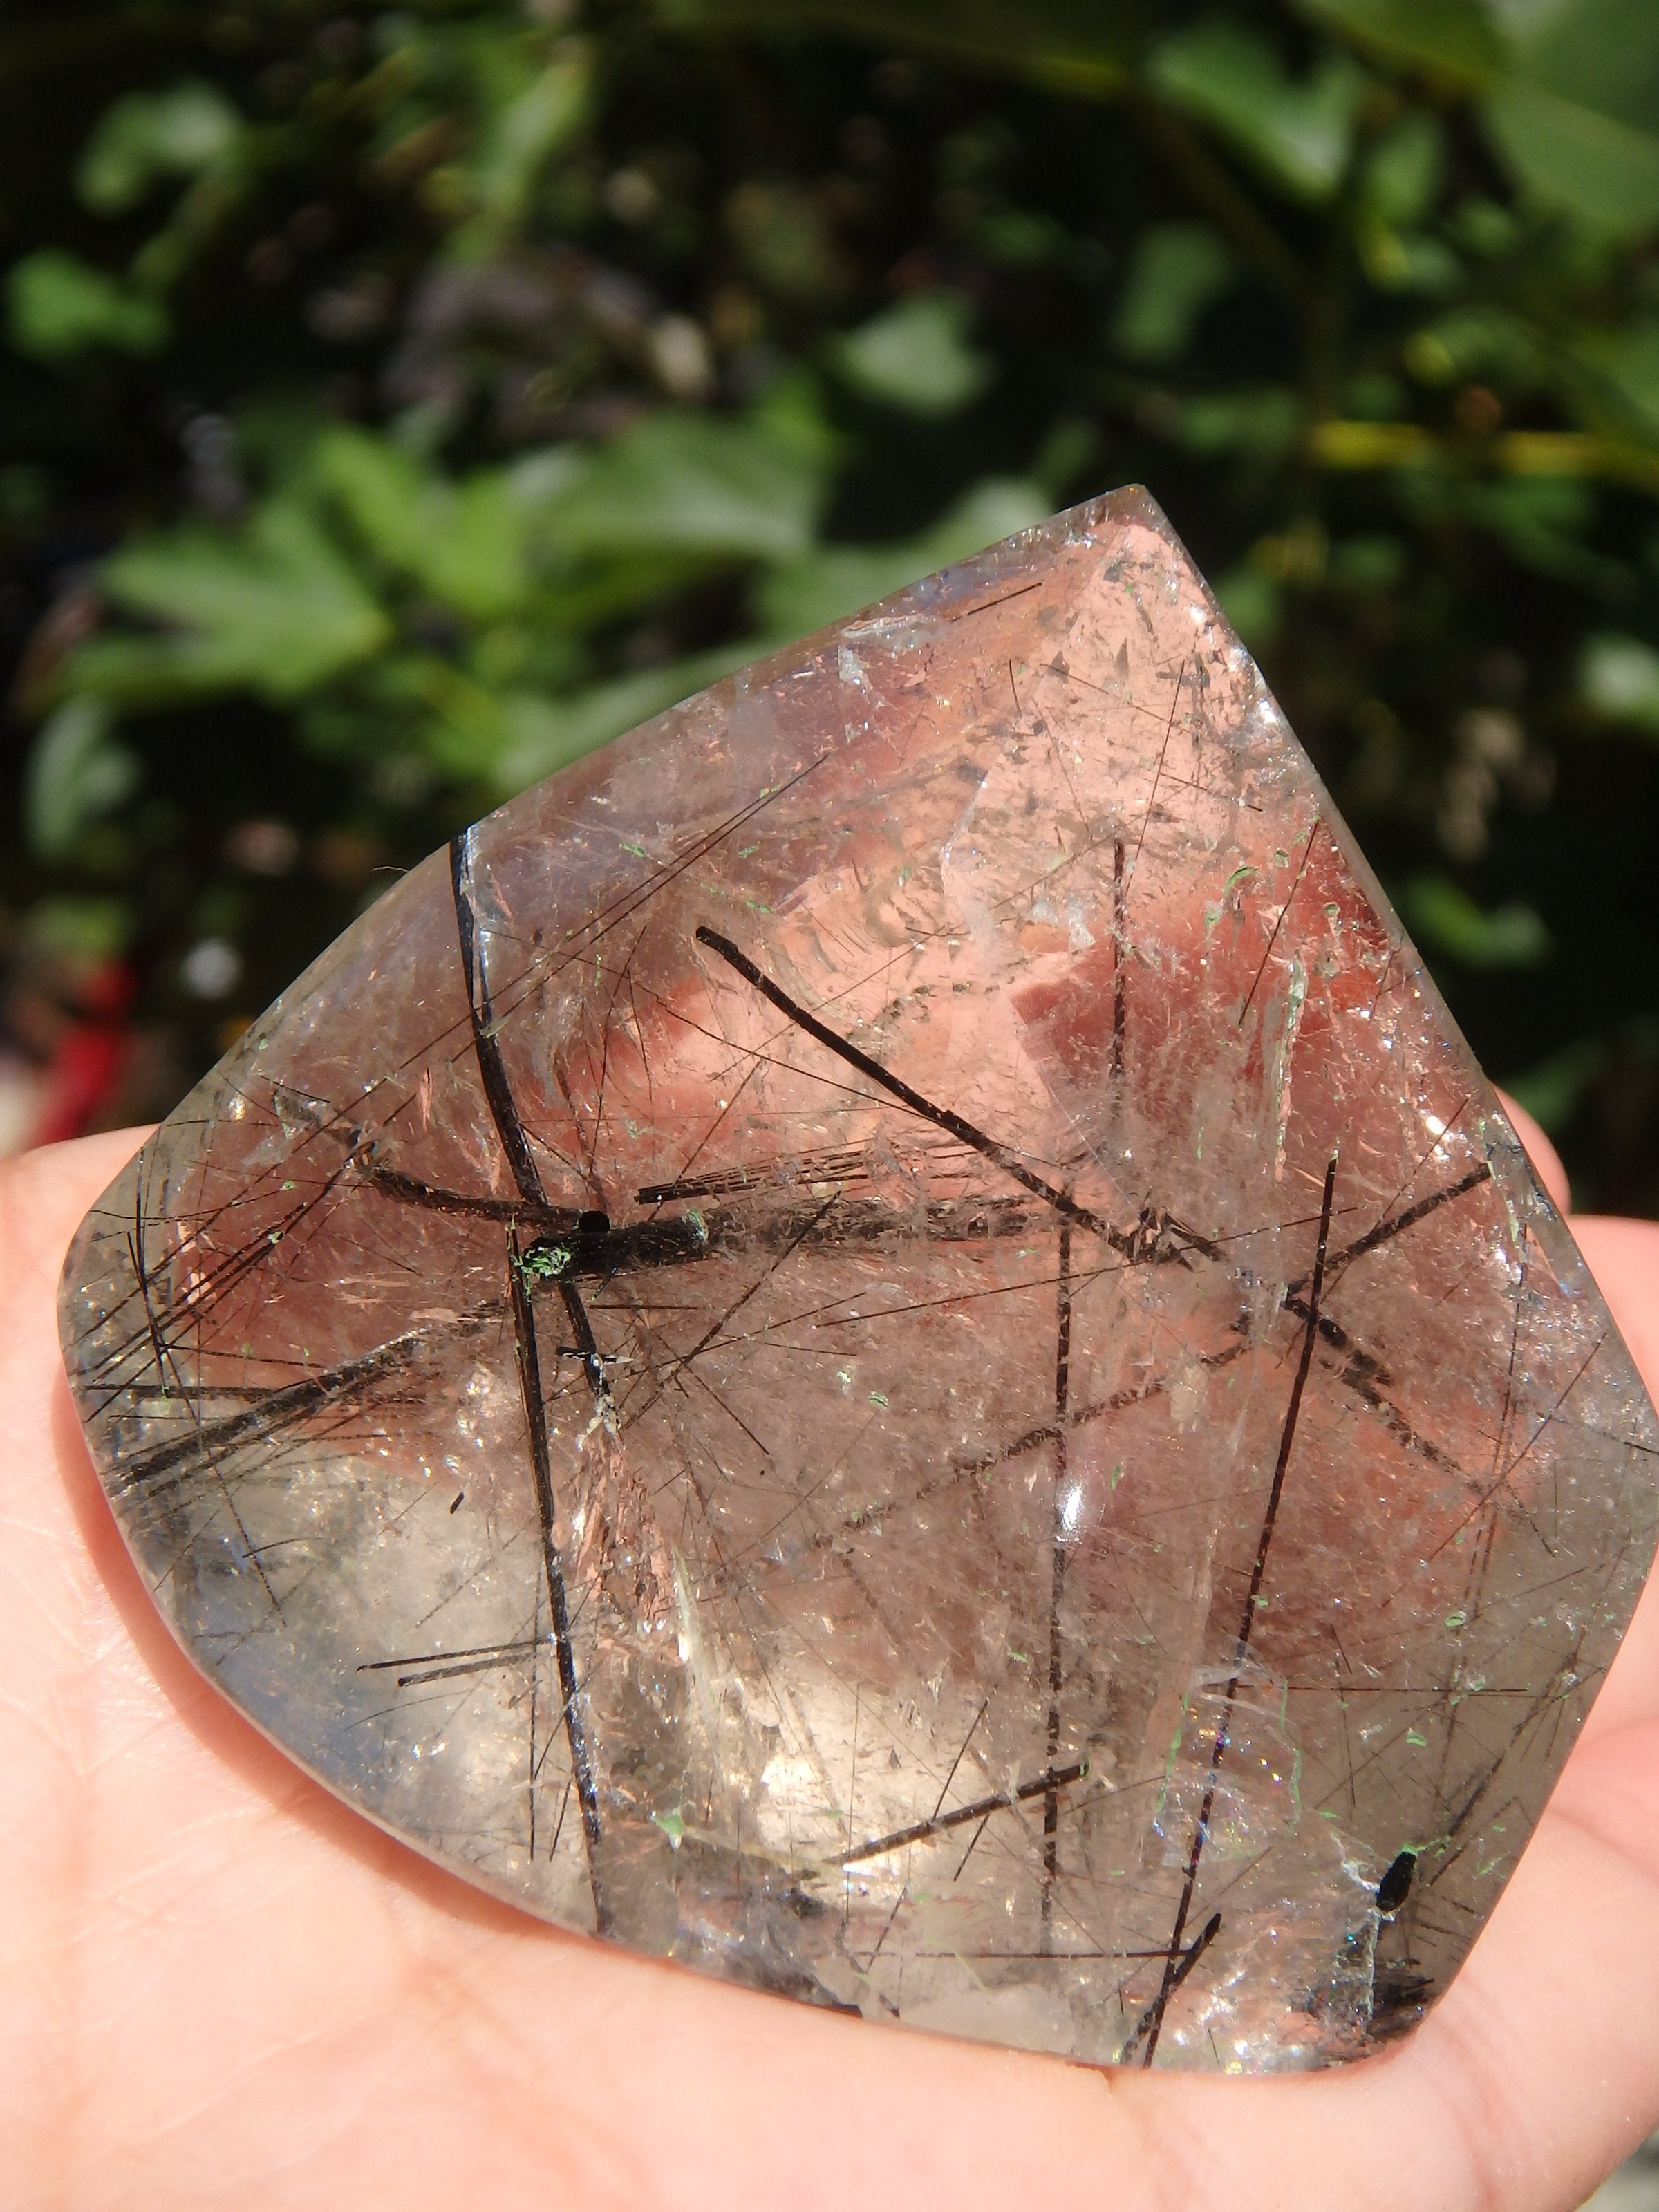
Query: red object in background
point(90, 1055)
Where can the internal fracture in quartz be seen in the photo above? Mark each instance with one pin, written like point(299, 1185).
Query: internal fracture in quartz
point(883, 1342)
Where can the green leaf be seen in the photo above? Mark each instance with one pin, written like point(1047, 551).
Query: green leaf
point(1402, 172)
point(465, 544)
point(1595, 166)
point(275, 610)
point(504, 739)
point(79, 929)
point(1251, 599)
point(387, 494)
point(1578, 122)
point(1454, 40)
point(476, 563)
point(521, 138)
point(1177, 270)
point(1261, 425)
point(1491, 343)
point(147, 135)
point(1602, 54)
point(1543, 523)
point(1444, 916)
point(1409, 261)
point(541, 735)
point(916, 356)
point(75, 775)
point(833, 581)
point(696, 485)
point(1298, 132)
point(60, 305)
point(1621, 394)
point(1371, 563)
point(1551, 1091)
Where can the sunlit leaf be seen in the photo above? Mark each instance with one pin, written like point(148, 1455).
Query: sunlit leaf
point(79, 929)
point(1599, 168)
point(1578, 121)
point(60, 305)
point(500, 739)
point(917, 357)
point(1409, 261)
point(1624, 364)
point(465, 544)
point(693, 484)
point(1454, 40)
point(275, 610)
point(1551, 1091)
point(1177, 270)
point(833, 580)
point(540, 735)
point(1402, 172)
point(1261, 424)
point(1543, 524)
point(1443, 916)
point(147, 135)
point(1298, 130)
point(76, 775)
point(518, 142)
point(1251, 601)
point(1602, 54)
point(1372, 562)
point(1494, 344)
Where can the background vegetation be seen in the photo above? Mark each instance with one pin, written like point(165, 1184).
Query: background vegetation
point(396, 401)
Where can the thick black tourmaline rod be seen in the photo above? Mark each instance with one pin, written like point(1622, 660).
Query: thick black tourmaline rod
point(942, 1117)
point(504, 1112)
point(1178, 1964)
point(1056, 1777)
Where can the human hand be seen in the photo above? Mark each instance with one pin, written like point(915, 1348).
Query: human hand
point(217, 1984)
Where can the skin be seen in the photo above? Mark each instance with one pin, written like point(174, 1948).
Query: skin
point(218, 1986)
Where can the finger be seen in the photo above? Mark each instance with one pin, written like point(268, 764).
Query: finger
point(1546, 1160)
point(475, 2053)
point(1540, 2069)
point(1624, 1257)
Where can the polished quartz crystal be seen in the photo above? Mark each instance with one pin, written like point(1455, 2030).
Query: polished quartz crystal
point(883, 1342)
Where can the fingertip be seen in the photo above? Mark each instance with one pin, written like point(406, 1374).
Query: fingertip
point(1546, 1160)
point(44, 1194)
point(1624, 1258)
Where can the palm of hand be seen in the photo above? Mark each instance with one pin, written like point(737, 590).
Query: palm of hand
point(215, 1980)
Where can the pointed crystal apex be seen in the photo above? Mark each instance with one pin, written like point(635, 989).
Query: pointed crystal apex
point(883, 1341)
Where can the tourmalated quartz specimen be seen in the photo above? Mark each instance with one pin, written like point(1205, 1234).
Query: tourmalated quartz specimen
point(883, 1342)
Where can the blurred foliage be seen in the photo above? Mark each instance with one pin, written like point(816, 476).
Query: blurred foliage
point(400, 400)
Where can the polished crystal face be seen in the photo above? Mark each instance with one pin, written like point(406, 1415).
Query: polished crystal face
point(883, 1342)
